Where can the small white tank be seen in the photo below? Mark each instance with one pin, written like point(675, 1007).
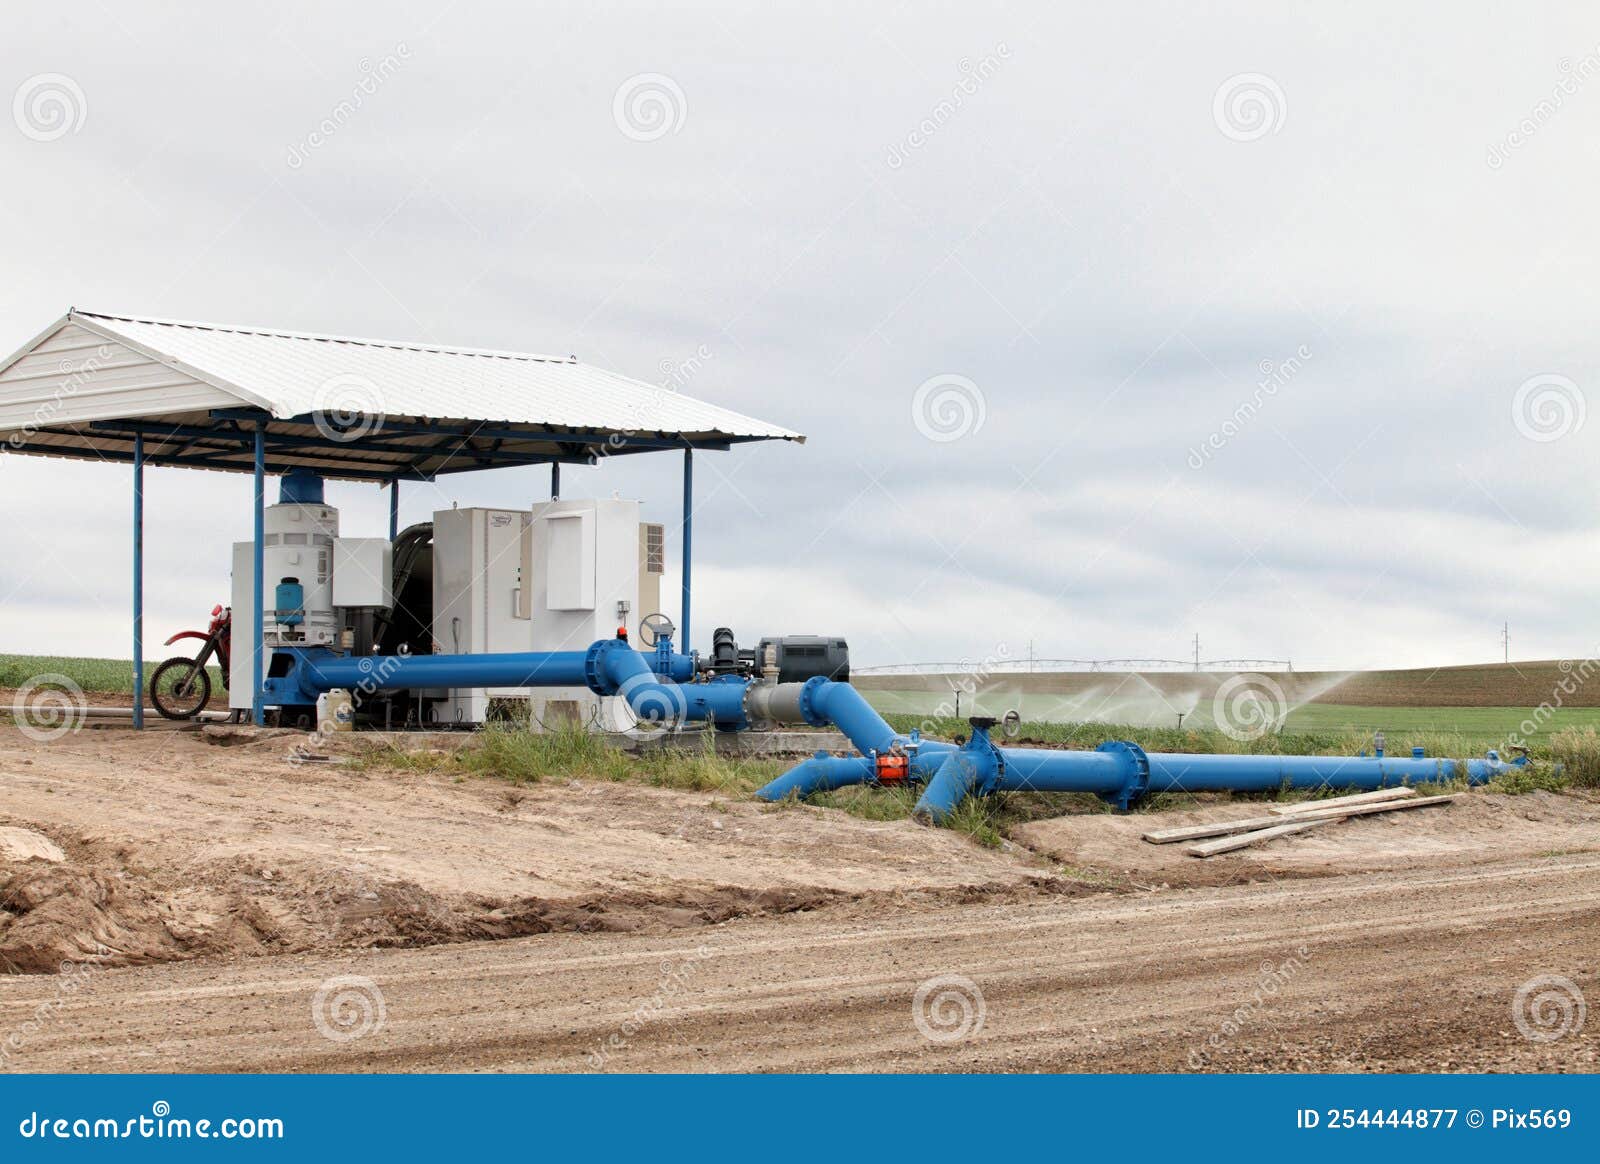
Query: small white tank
point(336, 711)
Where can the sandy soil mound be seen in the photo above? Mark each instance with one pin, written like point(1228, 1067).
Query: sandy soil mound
point(174, 849)
point(1477, 826)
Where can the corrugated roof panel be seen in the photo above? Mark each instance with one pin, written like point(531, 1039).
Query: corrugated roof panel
point(88, 384)
point(300, 374)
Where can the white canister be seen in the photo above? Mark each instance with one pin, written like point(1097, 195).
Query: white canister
point(336, 711)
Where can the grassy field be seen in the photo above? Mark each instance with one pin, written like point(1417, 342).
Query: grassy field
point(90, 674)
point(1479, 723)
point(108, 675)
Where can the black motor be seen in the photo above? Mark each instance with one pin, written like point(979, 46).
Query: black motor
point(802, 657)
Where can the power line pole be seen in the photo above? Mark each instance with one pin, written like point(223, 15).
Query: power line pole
point(1505, 640)
point(1197, 650)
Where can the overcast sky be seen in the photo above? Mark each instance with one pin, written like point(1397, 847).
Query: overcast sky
point(1271, 323)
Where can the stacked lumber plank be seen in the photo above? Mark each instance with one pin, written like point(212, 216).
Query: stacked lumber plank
point(1288, 819)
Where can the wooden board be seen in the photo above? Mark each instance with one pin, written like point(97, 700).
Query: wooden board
point(1338, 801)
point(1224, 828)
point(1245, 840)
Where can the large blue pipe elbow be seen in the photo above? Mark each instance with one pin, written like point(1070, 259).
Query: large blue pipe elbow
point(956, 778)
point(819, 774)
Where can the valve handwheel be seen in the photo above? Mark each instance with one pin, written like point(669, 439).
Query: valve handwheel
point(655, 627)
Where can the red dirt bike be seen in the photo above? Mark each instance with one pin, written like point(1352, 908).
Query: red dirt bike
point(180, 687)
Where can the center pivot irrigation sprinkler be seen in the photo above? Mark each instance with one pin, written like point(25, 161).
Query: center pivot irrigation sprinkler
point(668, 689)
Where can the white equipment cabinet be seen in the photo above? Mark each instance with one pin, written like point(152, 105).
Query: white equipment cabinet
point(363, 573)
point(583, 570)
point(478, 604)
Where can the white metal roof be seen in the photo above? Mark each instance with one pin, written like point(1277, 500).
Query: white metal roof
point(79, 388)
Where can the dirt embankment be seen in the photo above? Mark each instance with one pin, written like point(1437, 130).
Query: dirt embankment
point(209, 902)
point(174, 849)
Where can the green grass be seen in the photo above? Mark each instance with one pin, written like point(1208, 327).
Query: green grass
point(1476, 723)
point(109, 675)
point(509, 752)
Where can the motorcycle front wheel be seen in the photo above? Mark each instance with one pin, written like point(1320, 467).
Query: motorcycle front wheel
point(180, 688)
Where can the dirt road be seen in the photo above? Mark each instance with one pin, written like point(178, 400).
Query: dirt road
point(789, 940)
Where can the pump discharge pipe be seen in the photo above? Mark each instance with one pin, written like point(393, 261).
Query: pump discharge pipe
point(661, 688)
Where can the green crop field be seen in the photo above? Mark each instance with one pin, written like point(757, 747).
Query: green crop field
point(108, 675)
point(1473, 722)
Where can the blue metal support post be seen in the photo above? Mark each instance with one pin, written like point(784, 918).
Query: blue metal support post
point(688, 545)
point(258, 713)
point(394, 509)
point(138, 581)
point(555, 480)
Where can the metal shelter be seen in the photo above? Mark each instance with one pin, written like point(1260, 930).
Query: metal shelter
point(139, 391)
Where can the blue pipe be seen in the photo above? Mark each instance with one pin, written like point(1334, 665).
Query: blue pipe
point(138, 581)
point(1117, 771)
point(688, 542)
point(606, 667)
point(821, 773)
point(258, 707)
point(1177, 772)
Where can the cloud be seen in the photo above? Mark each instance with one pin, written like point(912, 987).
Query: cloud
point(1076, 239)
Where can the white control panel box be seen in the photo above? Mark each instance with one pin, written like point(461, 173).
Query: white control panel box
point(363, 572)
point(583, 570)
